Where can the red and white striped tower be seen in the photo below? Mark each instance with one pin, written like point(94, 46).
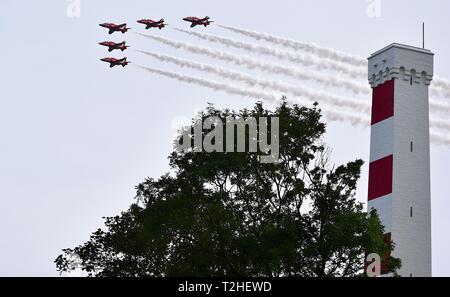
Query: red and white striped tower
point(399, 170)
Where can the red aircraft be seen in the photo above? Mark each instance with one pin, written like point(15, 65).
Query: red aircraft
point(114, 46)
point(152, 24)
point(115, 62)
point(115, 28)
point(197, 21)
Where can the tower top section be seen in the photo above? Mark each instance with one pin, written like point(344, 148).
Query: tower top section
point(401, 61)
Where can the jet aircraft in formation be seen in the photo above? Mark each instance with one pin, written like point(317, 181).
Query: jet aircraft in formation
point(198, 21)
point(115, 28)
point(116, 62)
point(152, 24)
point(195, 21)
point(114, 46)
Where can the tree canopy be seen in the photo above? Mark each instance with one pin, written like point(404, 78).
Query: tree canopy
point(229, 214)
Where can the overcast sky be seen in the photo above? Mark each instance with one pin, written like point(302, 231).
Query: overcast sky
point(76, 136)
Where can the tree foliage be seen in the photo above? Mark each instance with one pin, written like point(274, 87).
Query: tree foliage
point(227, 214)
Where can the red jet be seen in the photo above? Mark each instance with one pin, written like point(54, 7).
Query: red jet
point(114, 46)
point(115, 28)
point(152, 24)
point(197, 21)
point(115, 62)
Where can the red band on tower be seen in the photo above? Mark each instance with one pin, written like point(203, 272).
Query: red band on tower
point(383, 102)
point(380, 177)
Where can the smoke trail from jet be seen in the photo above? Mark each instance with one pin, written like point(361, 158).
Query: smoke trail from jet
point(302, 46)
point(330, 114)
point(439, 139)
point(435, 106)
point(439, 107)
point(441, 83)
point(362, 119)
point(266, 84)
point(440, 124)
point(440, 86)
point(355, 87)
point(231, 89)
point(252, 63)
point(303, 59)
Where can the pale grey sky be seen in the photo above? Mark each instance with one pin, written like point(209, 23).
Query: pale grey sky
point(76, 137)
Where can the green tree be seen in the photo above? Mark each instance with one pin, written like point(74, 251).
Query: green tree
point(228, 214)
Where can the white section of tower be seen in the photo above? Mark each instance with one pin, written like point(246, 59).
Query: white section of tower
point(400, 143)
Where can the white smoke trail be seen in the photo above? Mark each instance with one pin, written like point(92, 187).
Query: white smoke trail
point(435, 107)
point(270, 96)
point(440, 86)
point(303, 59)
point(439, 139)
point(273, 68)
point(302, 46)
point(440, 124)
point(360, 106)
point(231, 89)
point(330, 114)
point(352, 85)
point(441, 83)
point(439, 107)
